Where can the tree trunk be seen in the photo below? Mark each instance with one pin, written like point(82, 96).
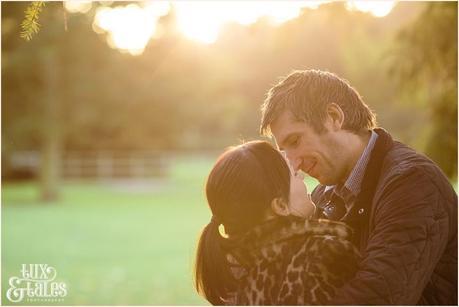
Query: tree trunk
point(50, 152)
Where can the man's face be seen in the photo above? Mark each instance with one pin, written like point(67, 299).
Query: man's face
point(319, 155)
point(300, 203)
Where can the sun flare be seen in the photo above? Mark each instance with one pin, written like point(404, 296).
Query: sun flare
point(376, 8)
point(202, 20)
point(131, 27)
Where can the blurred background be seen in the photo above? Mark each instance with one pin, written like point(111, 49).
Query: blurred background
point(114, 112)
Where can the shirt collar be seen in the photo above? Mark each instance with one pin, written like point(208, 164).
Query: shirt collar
point(354, 181)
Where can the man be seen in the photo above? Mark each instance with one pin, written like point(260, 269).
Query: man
point(399, 203)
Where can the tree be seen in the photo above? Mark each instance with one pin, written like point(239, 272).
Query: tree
point(426, 65)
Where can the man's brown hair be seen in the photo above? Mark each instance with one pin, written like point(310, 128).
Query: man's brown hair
point(307, 93)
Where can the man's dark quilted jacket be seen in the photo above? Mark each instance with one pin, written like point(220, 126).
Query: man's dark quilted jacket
point(406, 230)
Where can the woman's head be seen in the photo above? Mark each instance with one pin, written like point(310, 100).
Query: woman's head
point(248, 184)
point(251, 182)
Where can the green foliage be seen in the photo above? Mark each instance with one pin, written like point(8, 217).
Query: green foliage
point(30, 23)
point(181, 94)
point(427, 45)
point(426, 68)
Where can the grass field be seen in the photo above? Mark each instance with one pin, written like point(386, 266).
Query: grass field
point(111, 243)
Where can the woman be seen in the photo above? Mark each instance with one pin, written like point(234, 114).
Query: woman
point(269, 252)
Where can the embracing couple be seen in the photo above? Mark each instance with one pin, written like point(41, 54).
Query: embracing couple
point(380, 229)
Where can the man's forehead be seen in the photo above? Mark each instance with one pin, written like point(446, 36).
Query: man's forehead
point(285, 123)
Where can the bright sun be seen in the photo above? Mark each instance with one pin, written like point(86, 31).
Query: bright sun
point(131, 27)
point(376, 8)
point(202, 20)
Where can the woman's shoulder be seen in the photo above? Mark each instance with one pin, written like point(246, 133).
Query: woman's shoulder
point(330, 238)
point(298, 253)
point(329, 246)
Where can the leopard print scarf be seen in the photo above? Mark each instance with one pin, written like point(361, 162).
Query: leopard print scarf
point(292, 261)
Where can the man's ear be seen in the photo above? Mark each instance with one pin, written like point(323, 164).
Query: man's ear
point(280, 207)
point(335, 117)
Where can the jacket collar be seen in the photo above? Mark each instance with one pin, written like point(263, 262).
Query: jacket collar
point(359, 214)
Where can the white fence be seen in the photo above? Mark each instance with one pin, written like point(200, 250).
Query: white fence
point(101, 164)
point(114, 165)
point(104, 164)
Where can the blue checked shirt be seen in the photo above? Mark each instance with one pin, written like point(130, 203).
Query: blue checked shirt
point(351, 188)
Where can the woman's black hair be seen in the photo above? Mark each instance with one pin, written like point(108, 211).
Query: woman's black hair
point(240, 189)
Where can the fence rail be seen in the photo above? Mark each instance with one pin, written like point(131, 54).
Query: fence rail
point(102, 164)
